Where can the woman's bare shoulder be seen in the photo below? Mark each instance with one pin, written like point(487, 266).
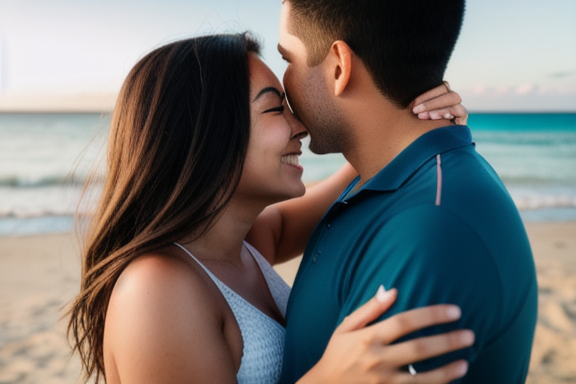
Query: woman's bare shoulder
point(162, 281)
point(162, 314)
point(150, 269)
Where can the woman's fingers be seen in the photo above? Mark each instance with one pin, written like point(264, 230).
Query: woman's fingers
point(369, 311)
point(461, 114)
point(358, 353)
point(431, 94)
point(455, 111)
point(444, 100)
point(442, 375)
point(423, 348)
point(404, 323)
point(444, 105)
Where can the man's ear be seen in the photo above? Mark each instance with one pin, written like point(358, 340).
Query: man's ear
point(342, 56)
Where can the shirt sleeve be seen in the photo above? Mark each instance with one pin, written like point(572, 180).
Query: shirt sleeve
point(432, 257)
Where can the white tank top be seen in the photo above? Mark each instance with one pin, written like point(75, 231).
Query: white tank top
point(263, 337)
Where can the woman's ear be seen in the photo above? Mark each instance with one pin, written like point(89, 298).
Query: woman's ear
point(342, 58)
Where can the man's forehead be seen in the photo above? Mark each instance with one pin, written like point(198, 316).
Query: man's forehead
point(289, 44)
point(285, 30)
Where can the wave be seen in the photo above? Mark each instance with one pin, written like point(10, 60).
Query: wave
point(544, 202)
point(523, 204)
point(559, 180)
point(56, 201)
point(534, 198)
point(26, 214)
point(30, 181)
point(47, 200)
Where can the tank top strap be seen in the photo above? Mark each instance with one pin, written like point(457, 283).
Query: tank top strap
point(212, 276)
point(279, 290)
point(262, 337)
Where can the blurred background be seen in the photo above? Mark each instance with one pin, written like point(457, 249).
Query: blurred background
point(62, 63)
point(514, 66)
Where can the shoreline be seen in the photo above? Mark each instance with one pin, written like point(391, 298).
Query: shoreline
point(39, 275)
point(14, 226)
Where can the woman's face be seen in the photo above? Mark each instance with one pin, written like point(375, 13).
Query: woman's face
point(271, 170)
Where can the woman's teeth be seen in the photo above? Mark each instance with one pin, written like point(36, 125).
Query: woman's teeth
point(290, 159)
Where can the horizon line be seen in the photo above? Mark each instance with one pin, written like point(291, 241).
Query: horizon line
point(109, 111)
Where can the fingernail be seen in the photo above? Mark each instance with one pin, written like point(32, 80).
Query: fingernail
point(462, 369)
point(419, 108)
point(453, 312)
point(447, 115)
point(467, 337)
point(381, 294)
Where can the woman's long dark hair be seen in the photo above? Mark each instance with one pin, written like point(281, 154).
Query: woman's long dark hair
point(178, 139)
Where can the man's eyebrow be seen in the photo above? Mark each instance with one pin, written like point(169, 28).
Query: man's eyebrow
point(266, 90)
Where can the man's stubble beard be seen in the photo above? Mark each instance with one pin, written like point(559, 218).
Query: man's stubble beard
point(328, 128)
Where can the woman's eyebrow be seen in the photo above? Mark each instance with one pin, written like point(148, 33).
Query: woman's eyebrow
point(266, 90)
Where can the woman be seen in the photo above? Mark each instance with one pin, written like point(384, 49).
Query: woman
point(200, 143)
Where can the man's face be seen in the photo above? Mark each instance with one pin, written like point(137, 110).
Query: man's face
point(308, 92)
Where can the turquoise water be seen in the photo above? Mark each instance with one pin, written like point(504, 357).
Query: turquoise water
point(528, 150)
point(44, 159)
point(535, 156)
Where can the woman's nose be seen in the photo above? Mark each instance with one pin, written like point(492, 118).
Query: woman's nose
point(299, 131)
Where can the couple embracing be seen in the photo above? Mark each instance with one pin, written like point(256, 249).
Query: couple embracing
point(204, 193)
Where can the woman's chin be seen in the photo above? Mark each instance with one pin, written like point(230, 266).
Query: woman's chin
point(294, 191)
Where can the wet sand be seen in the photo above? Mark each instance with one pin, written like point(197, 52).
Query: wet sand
point(39, 275)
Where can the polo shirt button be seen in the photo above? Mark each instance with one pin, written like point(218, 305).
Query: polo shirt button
point(328, 225)
point(314, 258)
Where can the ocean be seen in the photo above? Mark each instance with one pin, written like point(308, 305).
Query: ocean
point(45, 159)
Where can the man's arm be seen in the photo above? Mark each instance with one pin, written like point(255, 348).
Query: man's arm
point(431, 257)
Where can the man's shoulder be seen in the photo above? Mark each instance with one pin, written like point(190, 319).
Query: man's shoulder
point(468, 187)
point(463, 170)
point(428, 229)
point(431, 237)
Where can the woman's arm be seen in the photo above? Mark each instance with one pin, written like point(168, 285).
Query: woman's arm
point(282, 230)
point(162, 326)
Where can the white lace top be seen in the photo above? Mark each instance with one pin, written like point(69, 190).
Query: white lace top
point(263, 338)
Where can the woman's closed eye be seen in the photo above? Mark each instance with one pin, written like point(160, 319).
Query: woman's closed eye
point(279, 109)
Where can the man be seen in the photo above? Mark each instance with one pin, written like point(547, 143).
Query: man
point(427, 214)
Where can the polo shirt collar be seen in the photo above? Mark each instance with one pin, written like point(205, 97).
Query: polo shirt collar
point(430, 144)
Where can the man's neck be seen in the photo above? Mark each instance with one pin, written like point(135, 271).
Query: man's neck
point(379, 129)
point(382, 131)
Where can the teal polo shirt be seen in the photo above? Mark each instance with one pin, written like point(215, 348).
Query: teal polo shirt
point(437, 224)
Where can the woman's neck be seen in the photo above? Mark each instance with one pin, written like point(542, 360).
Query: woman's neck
point(224, 240)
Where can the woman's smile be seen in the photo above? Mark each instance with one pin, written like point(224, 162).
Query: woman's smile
point(292, 159)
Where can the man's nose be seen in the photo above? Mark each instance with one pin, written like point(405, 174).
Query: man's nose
point(299, 131)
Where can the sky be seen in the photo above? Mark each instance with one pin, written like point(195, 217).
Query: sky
point(512, 55)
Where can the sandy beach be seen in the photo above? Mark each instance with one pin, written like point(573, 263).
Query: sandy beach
point(39, 275)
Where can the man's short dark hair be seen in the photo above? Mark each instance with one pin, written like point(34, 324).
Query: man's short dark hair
point(405, 44)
